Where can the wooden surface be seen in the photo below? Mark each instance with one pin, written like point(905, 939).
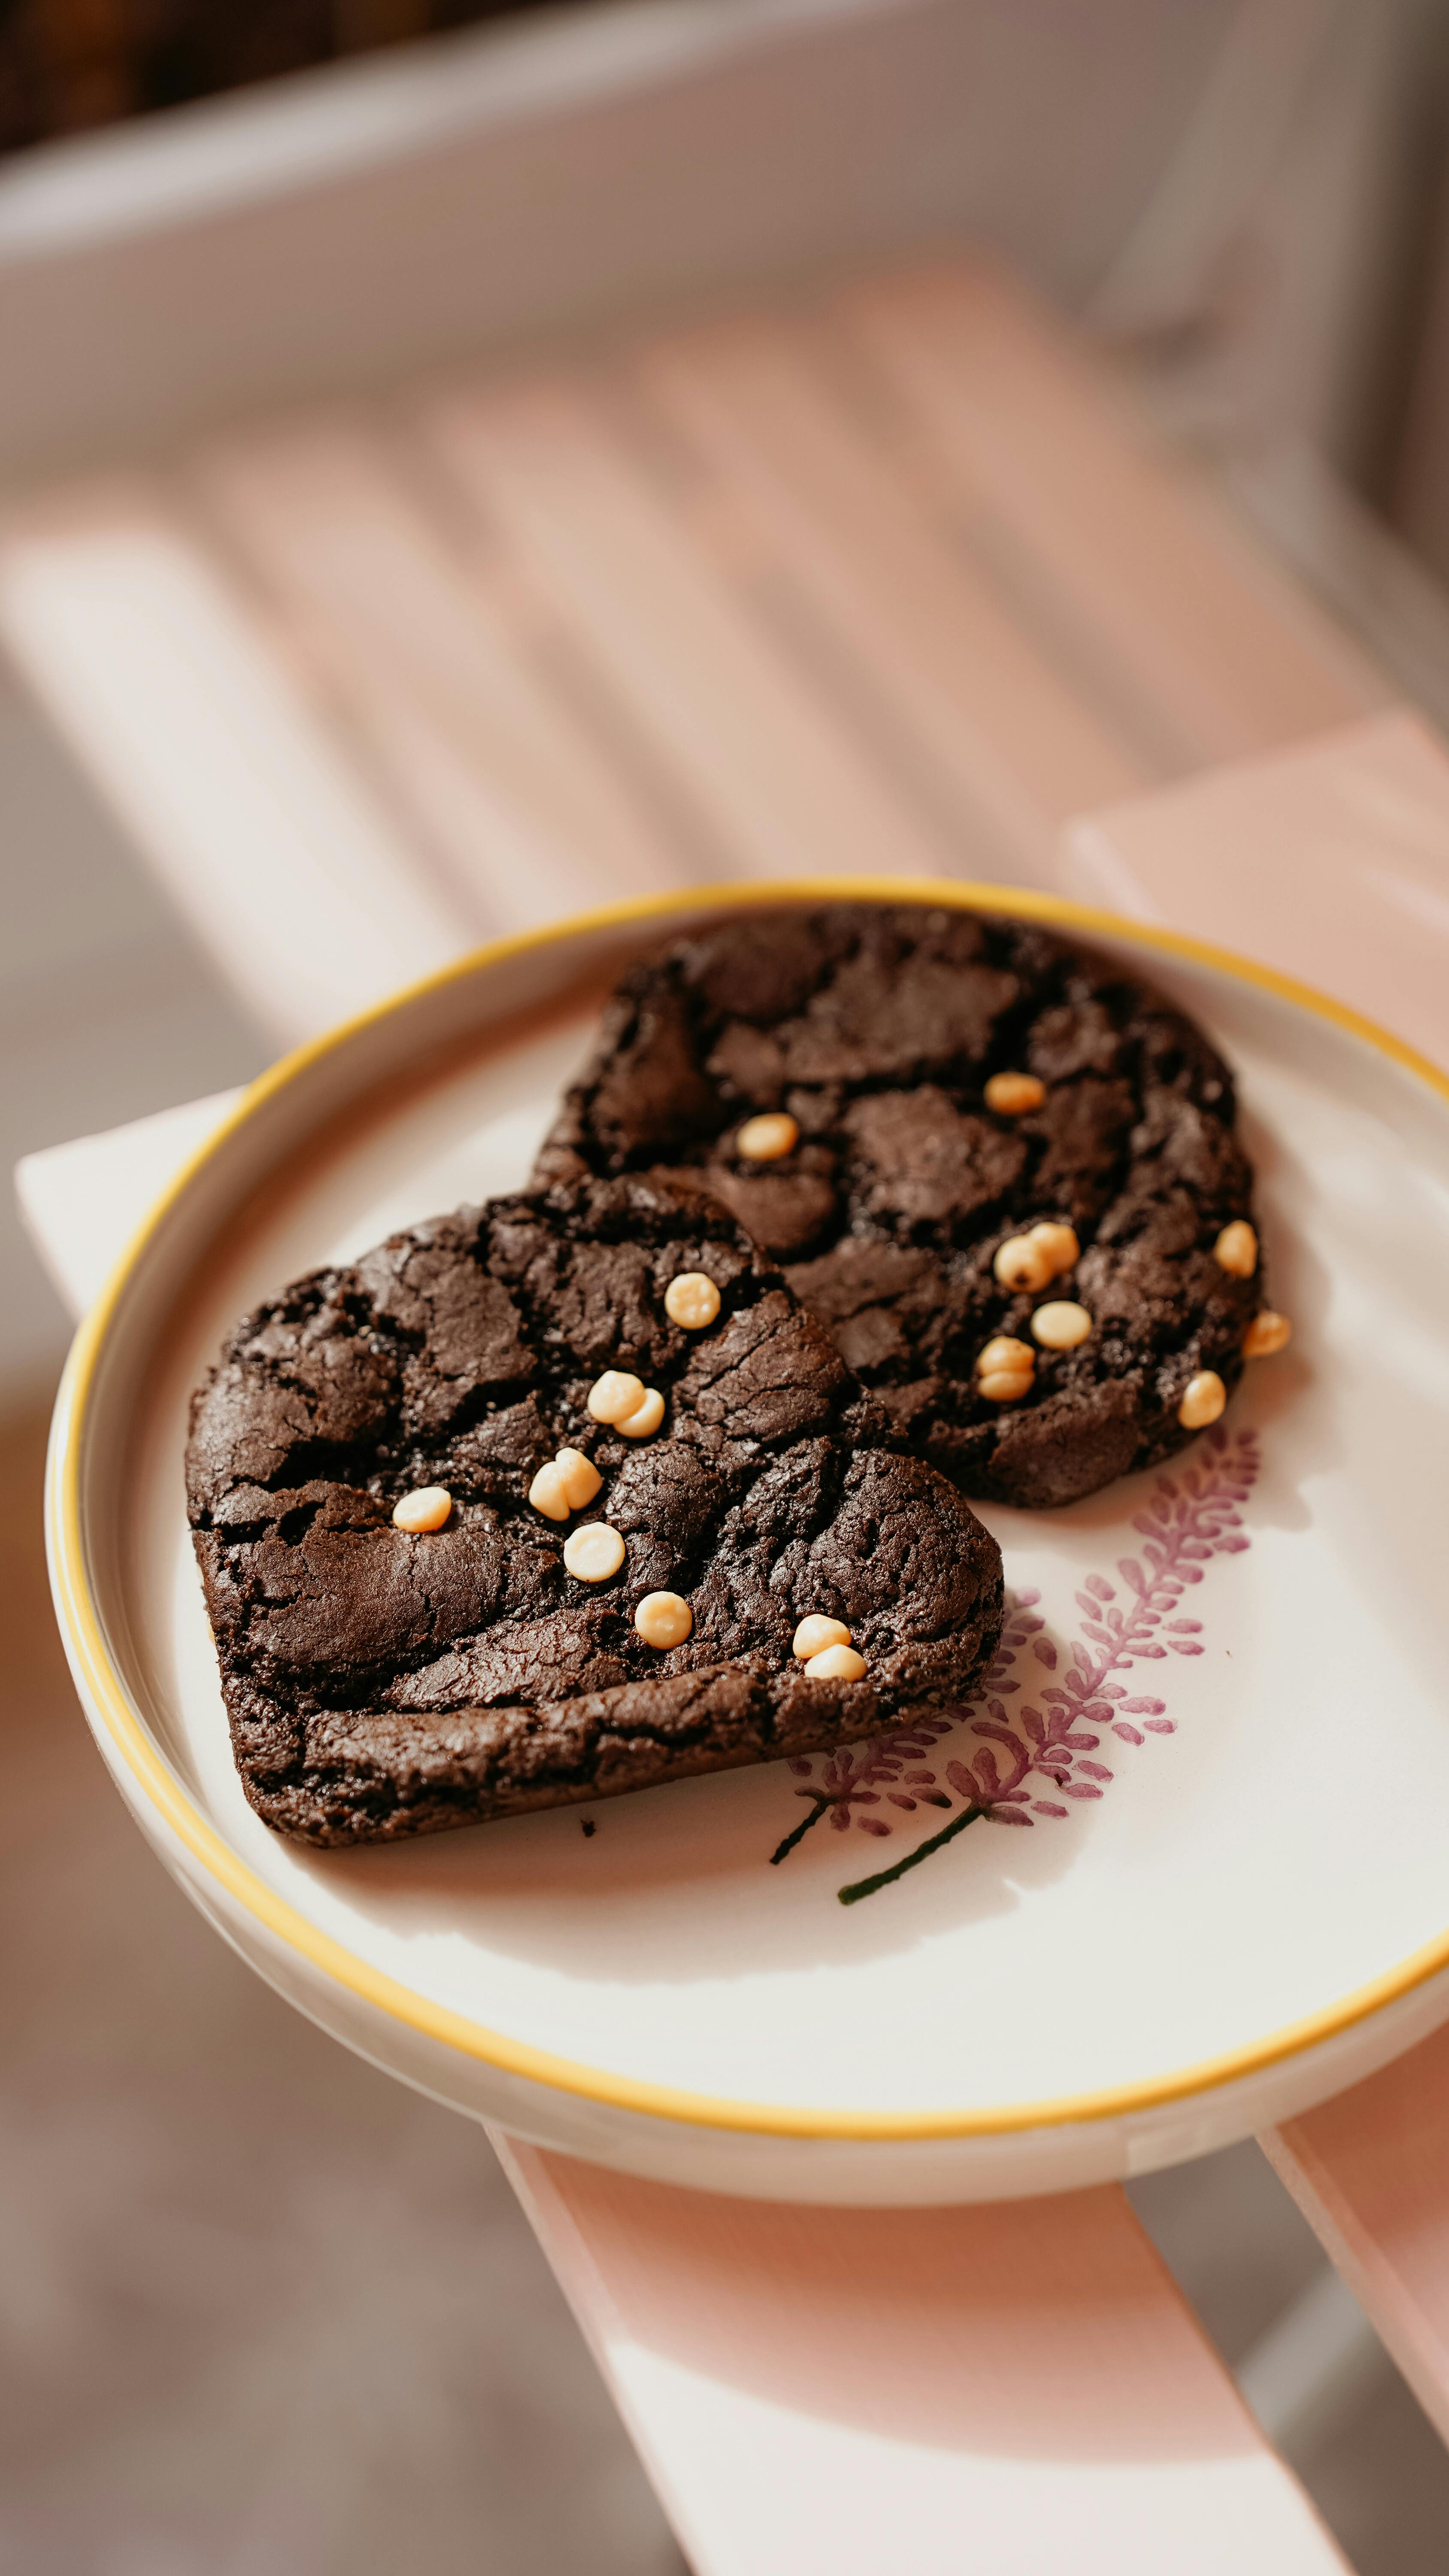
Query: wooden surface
point(1209, 649)
point(1329, 860)
point(529, 175)
point(1370, 2171)
point(187, 711)
point(1018, 2388)
point(884, 579)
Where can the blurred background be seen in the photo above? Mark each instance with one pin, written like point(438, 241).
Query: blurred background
point(342, 339)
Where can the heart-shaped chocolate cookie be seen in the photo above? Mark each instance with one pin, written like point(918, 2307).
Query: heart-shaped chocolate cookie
point(1000, 1170)
point(529, 1504)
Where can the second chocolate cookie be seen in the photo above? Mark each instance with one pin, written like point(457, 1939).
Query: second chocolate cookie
point(1003, 1172)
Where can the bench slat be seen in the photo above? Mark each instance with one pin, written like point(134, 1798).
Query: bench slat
point(1170, 607)
point(1018, 2387)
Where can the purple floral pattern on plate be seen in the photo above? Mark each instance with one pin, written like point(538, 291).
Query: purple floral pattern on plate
point(1022, 1762)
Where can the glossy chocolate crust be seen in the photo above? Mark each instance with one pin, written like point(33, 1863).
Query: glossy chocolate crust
point(380, 1685)
point(877, 1028)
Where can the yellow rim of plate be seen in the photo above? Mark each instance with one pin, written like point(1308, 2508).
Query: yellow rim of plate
point(85, 1634)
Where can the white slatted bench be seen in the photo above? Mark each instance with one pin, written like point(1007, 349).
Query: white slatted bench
point(882, 578)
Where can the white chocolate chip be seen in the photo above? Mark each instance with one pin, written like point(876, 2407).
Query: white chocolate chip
point(580, 1479)
point(1022, 1264)
point(1005, 1370)
point(691, 1300)
point(427, 1509)
point(1005, 1386)
point(1011, 1095)
point(1061, 1325)
point(1005, 1352)
point(1203, 1399)
point(594, 1553)
point(765, 1139)
point(646, 1420)
point(816, 1633)
point(1266, 1335)
point(1059, 1243)
point(1236, 1249)
point(615, 1395)
point(549, 1492)
point(663, 1620)
point(835, 1664)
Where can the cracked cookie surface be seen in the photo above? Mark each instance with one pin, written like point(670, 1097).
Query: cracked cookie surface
point(875, 1029)
point(381, 1684)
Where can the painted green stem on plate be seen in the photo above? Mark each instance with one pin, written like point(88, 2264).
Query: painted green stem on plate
point(784, 1849)
point(868, 1886)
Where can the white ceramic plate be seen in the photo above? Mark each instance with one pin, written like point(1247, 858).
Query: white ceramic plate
point(1235, 1902)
